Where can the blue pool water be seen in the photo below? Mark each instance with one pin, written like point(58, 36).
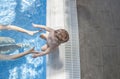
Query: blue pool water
point(22, 13)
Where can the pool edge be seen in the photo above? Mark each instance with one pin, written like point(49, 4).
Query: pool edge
point(63, 14)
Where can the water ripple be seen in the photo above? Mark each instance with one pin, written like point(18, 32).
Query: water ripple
point(7, 11)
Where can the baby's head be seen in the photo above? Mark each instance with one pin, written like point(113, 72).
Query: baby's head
point(62, 35)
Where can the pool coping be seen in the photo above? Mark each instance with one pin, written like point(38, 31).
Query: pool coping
point(66, 62)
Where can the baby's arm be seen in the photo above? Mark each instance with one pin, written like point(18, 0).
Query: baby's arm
point(42, 53)
point(43, 27)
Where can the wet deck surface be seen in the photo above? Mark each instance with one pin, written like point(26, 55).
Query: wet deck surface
point(99, 25)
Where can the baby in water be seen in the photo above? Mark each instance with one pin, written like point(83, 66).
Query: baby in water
point(54, 39)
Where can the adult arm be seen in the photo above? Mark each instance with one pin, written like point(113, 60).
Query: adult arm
point(37, 54)
point(43, 27)
point(16, 28)
point(15, 56)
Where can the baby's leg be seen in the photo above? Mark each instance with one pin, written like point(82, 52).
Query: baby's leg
point(43, 48)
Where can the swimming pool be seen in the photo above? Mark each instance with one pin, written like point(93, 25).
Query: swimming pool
point(22, 13)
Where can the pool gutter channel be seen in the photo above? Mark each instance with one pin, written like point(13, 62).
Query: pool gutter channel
point(66, 63)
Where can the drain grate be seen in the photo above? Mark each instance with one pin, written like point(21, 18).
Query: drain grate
point(72, 57)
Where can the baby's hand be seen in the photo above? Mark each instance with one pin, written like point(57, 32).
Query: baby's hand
point(35, 55)
point(31, 50)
